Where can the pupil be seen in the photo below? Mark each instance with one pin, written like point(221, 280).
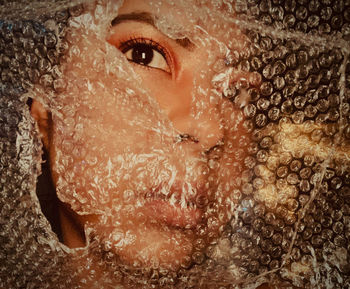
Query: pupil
point(142, 54)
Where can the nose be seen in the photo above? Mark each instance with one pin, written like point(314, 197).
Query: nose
point(191, 110)
point(203, 130)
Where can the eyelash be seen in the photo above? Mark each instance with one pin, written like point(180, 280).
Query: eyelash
point(124, 46)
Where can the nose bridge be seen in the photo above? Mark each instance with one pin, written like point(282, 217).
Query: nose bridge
point(207, 127)
point(191, 109)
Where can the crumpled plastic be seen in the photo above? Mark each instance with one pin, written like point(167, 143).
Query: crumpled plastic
point(277, 203)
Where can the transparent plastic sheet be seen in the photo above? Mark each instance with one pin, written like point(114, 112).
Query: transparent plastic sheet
point(270, 184)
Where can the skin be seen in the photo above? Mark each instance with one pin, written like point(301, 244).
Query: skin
point(176, 105)
point(173, 90)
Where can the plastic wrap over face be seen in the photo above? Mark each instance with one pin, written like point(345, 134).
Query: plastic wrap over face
point(187, 144)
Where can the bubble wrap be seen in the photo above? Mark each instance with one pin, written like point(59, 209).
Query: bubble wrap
point(242, 183)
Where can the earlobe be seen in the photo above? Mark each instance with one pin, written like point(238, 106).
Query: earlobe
point(40, 114)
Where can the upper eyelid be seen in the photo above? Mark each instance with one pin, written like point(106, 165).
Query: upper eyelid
point(147, 41)
point(155, 45)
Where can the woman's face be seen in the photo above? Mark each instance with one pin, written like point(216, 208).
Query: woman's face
point(143, 149)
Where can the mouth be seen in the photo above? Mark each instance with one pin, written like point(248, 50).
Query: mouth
point(176, 206)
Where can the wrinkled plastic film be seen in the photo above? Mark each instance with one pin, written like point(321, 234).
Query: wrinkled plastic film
point(272, 190)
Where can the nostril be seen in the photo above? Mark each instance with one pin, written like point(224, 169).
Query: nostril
point(217, 148)
point(185, 137)
point(205, 130)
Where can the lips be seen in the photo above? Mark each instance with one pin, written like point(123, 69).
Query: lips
point(176, 206)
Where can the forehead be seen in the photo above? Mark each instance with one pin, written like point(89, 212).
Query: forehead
point(135, 5)
point(176, 14)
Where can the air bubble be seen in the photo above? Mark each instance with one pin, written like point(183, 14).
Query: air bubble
point(340, 241)
point(258, 224)
point(258, 183)
point(254, 94)
point(52, 55)
point(263, 104)
point(310, 111)
point(33, 74)
point(31, 60)
point(338, 228)
point(336, 22)
point(314, 6)
point(260, 120)
point(265, 259)
point(266, 245)
point(266, 88)
point(290, 5)
point(44, 65)
point(268, 71)
point(28, 30)
point(256, 63)
point(313, 21)
point(298, 117)
point(50, 40)
point(267, 57)
point(250, 111)
point(59, 85)
point(282, 171)
point(301, 13)
point(247, 189)
point(267, 231)
point(46, 80)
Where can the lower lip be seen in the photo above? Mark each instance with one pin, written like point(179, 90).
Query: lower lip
point(172, 214)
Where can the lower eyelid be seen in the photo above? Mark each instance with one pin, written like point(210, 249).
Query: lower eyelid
point(149, 67)
point(153, 69)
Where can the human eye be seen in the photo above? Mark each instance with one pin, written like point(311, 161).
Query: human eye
point(146, 52)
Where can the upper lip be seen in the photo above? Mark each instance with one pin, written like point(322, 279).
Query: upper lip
point(186, 195)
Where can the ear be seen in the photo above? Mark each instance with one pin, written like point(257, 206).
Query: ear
point(42, 117)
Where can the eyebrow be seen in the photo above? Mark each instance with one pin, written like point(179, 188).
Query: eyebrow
point(148, 18)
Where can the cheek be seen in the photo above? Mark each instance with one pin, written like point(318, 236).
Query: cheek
point(95, 160)
point(173, 97)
